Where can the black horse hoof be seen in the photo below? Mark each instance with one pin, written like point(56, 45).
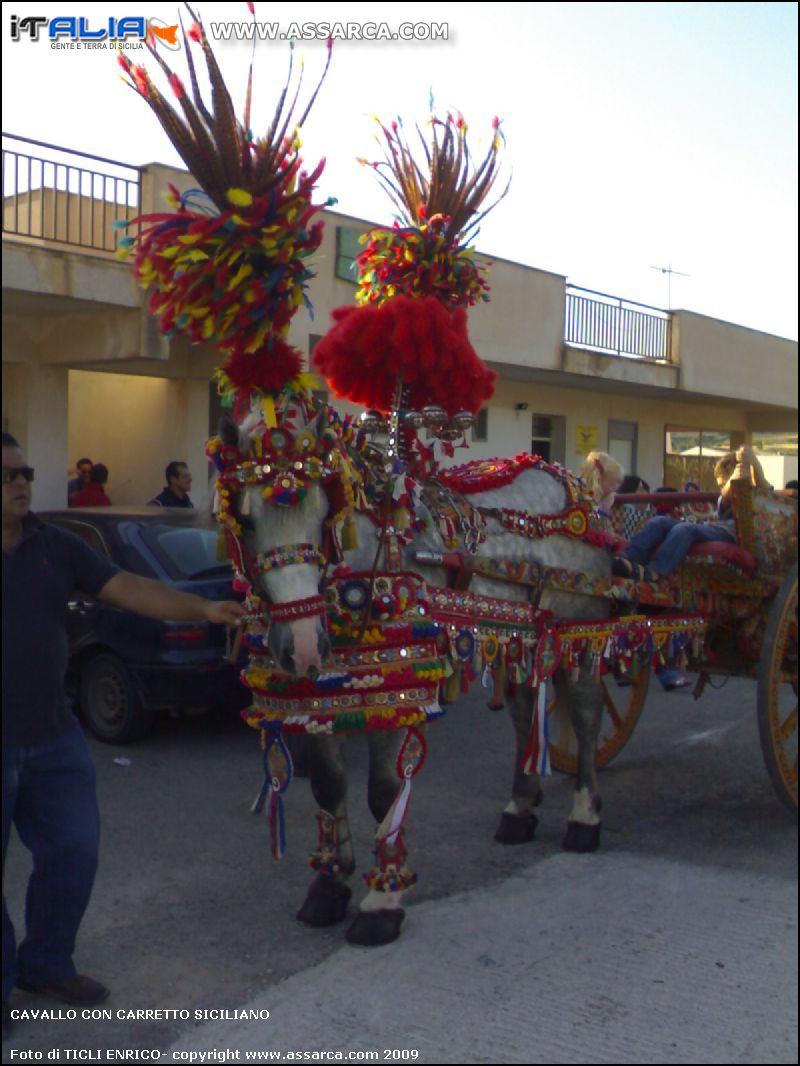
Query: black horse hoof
point(516, 829)
point(580, 837)
point(326, 902)
point(373, 928)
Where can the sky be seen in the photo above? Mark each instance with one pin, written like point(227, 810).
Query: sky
point(636, 135)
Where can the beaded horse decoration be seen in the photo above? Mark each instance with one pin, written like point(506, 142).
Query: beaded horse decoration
point(229, 266)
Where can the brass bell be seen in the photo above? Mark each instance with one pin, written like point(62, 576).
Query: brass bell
point(463, 420)
point(372, 422)
point(434, 416)
point(414, 419)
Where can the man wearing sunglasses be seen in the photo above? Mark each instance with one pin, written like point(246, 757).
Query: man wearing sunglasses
point(48, 774)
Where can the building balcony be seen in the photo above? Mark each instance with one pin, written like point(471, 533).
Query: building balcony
point(62, 207)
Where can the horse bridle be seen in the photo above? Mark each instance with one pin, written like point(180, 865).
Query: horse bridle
point(285, 463)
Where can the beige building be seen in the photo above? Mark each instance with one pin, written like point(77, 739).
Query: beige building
point(86, 371)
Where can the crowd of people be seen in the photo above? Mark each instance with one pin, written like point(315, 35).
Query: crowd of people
point(88, 487)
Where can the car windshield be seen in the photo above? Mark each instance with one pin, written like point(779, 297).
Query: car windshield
point(185, 552)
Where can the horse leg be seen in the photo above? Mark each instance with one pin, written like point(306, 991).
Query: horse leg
point(518, 822)
point(586, 707)
point(380, 914)
point(329, 893)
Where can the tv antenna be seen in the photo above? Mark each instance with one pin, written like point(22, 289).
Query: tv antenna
point(669, 272)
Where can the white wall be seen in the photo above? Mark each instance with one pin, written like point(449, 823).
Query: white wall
point(136, 425)
point(510, 430)
point(779, 469)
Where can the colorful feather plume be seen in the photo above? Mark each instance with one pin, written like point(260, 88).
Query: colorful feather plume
point(427, 252)
point(229, 266)
point(416, 278)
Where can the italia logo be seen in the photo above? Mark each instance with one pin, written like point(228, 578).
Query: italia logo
point(84, 30)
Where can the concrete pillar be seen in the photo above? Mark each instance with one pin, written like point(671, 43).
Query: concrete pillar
point(197, 403)
point(37, 417)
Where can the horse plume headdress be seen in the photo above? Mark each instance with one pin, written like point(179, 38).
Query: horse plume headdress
point(416, 279)
point(229, 266)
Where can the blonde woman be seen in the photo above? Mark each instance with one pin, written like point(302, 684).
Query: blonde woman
point(603, 477)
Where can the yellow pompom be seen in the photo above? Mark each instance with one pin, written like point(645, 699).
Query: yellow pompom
point(240, 197)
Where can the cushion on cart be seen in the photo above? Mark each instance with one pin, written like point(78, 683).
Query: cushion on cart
point(724, 552)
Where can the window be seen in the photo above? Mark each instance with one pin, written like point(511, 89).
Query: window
point(347, 248)
point(622, 444)
point(548, 437)
point(480, 427)
point(185, 552)
point(692, 454)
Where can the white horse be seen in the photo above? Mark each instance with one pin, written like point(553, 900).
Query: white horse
point(300, 647)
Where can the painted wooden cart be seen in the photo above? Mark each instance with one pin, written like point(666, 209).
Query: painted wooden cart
point(747, 593)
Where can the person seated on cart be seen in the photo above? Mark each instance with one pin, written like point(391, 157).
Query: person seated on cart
point(602, 476)
point(661, 546)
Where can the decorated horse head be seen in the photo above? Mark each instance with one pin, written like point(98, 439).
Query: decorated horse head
point(285, 481)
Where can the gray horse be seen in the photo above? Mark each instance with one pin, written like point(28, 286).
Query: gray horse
point(301, 647)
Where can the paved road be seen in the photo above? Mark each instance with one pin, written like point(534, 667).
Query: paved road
point(676, 943)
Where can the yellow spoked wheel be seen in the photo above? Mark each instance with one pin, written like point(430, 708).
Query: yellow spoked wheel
point(622, 705)
point(777, 692)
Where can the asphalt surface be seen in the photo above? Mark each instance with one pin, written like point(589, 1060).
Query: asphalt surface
point(677, 942)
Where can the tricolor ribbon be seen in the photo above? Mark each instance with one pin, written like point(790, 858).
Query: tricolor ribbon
point(536, 759)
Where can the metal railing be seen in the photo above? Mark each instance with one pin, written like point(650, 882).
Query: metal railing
point(54, 197)
point(609, 324)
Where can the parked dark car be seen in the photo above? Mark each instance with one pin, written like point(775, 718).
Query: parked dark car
point(125, 669)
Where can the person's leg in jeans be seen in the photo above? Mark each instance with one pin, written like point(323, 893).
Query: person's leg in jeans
point(57, 819)
point(680, 539)
point(10, 781)
point(648, 538)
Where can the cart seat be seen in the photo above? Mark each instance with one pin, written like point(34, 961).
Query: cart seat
point(722, 551)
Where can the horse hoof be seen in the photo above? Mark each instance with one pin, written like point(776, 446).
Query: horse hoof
point(516, 829)
point(580, 837)
point(326, 902)
point(372, 928)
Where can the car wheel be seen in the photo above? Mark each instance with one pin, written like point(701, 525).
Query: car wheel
point(110, 704)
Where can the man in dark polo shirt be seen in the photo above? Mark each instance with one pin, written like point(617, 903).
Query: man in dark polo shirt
point(48, 774)
point(176, 492)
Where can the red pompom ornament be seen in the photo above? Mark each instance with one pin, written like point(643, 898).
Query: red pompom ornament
point(415, 340)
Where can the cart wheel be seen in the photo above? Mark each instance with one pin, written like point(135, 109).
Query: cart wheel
point(622, 706)
point(777, 692)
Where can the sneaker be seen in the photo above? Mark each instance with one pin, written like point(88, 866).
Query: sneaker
point(79, 990)
point(679, 682)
